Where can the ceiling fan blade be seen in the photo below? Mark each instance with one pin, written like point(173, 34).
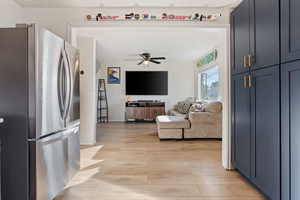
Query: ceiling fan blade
point(143, 56)
point(156, 62)
point(159, 58)
point(141, 62)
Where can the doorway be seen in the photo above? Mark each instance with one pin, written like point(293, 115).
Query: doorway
point(76, 30)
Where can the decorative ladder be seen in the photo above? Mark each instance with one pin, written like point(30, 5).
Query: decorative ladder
point(102, 105)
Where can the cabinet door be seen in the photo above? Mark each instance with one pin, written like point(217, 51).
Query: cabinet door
point(290, 30)
point(130, 112)
point(240, 37)
point(140, 113)
point(148, 113)
point(290, 139)
point(264, 33)
point(265, 131)
point(241, 124)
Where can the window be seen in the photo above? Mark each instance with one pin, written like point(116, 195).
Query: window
point(209, 84)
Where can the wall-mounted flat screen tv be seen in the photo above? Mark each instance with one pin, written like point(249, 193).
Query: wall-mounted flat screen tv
point(146, 83)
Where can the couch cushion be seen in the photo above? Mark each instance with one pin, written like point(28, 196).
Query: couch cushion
point(170, 122)
point(173, 112)
point(170, 133)
point(213, 107)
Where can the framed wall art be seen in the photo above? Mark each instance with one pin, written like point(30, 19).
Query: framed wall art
point(113, 75)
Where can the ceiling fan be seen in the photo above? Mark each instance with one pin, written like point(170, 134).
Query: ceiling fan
point(146, 58)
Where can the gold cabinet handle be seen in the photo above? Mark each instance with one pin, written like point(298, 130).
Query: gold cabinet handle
point(250, 81)
point(245, 61)
point(249, 60)
point(245, 81)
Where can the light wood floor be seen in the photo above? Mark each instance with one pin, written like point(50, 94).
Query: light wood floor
point(130, 163)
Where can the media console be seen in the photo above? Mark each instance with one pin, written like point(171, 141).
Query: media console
point(144, 110)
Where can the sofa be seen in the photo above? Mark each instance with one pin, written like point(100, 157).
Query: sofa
point(206, 123)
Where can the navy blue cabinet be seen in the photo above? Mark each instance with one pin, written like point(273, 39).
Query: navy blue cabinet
point(264, 33)
point(270, 61)
point(241, 135)
point(256, 128)
point(290, 89)
point(255, 35)
point(265, 131)
point(240, 37)
point(290, 30)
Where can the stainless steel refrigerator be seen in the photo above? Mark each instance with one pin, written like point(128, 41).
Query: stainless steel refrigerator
point(40, 105)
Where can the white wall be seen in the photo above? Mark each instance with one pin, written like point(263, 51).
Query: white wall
point(87, 47)
point(57, 20)
point(223, 62)
point(181, 86)
point(10, 13)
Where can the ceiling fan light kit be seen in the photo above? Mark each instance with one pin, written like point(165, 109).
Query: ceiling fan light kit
point(146, 59)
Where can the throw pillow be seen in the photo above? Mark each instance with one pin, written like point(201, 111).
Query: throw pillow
point(183, 107)
point(197, 107)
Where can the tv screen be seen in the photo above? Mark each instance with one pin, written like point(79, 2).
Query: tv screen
point(146, 83)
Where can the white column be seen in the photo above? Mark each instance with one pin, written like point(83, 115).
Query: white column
point(226, 75)
point(88, 103)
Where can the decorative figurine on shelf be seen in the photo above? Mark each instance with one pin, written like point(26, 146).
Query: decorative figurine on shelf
point(137, 16)
point(171, 17)
point(153, 17)
point(99, 16)
point(89, 17)
point(129, 16)
point(213, 17)
point(164, 16)
point(196, 16)
point(129, 99)
point(181, 17)
point(203, 18)
point(210, 17)
point(146, 16)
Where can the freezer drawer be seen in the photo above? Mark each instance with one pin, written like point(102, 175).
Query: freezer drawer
point(57, 161)
point(73, 153)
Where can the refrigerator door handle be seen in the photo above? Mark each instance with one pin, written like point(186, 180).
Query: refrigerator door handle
point(60, 136)
point(67, 85)
point(70, 92)
point(60, 85)
point(53, 138)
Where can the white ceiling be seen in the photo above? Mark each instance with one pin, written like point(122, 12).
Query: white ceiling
point(115, 45)
point(129, 3)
